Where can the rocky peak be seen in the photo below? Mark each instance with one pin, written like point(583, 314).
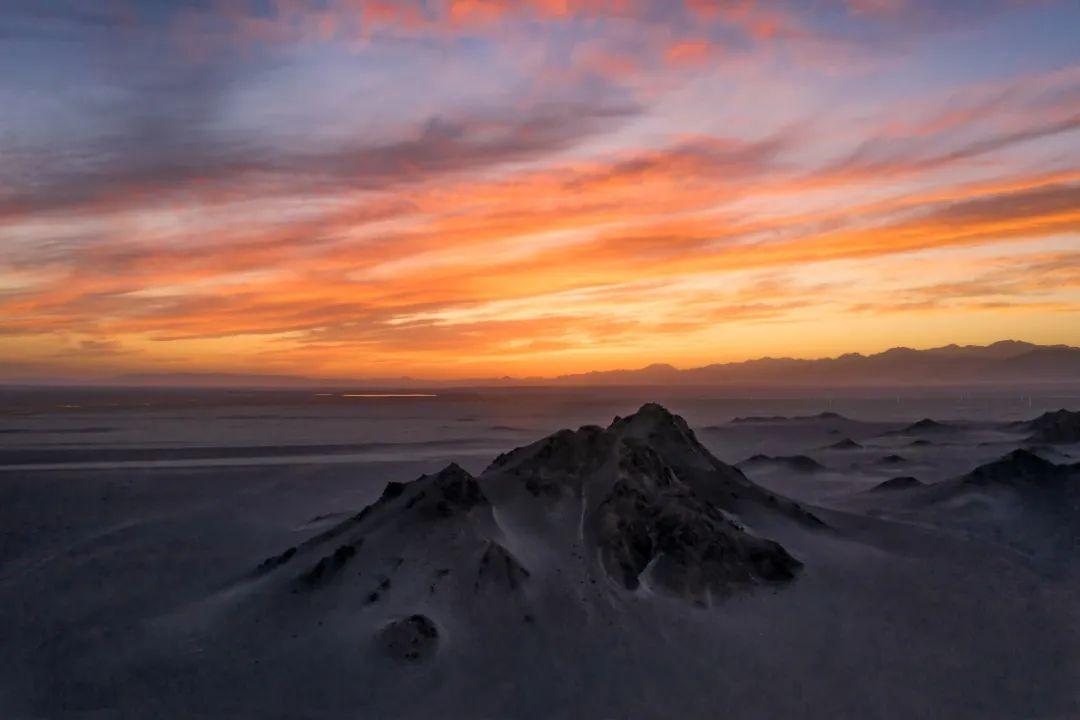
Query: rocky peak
point(647, 501)
point(898, 483)
point(1060, 426)
point(567, 451)
point(458, 486)
point(1018, 467)
point(926, 425)
point(653, 420)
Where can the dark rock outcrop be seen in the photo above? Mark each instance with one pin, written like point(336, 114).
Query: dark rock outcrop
point(411, 639)
point(499, 569)
point(272, 562)
point(651, 520)
point(712, 480)
point(330, 565)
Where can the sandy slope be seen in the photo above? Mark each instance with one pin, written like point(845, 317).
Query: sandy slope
point(510, 592)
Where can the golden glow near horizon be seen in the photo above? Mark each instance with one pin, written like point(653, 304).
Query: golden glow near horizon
point(462, 189)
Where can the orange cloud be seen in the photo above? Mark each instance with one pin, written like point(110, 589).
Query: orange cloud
point(574, 225)
point(689, 52)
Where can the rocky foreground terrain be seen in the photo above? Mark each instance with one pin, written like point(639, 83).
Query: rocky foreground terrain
point(587, 531)
point(844, 569)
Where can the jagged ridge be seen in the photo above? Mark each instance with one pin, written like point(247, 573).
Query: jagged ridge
point(652, 504)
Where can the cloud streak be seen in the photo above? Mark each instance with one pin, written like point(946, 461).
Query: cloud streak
point(488, 187)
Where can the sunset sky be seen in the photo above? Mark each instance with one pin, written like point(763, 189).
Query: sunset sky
point(464, 188)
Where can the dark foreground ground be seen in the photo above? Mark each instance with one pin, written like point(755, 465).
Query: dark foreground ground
point(129, 534)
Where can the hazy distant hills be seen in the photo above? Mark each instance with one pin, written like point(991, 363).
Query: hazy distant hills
point(1005, 362)
point(1002, 362)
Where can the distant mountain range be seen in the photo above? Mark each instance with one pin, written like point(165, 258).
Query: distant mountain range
point(1002, 363)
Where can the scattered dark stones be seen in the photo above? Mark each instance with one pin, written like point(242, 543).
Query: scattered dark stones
point(439, 575)
point(411, 639)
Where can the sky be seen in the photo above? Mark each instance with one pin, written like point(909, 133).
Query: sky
point(476, 188)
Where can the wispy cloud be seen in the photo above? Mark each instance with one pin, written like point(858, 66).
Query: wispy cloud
point(469, 186)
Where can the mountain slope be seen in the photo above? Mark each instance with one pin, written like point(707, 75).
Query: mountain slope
point(1020, 500)
point(638, 503)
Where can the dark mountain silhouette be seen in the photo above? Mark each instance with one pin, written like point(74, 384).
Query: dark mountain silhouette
point(924, 428)
point(898, 483)
point(926, 425)
point(1004, 362)
point(1060, 426)
point(1021, 500)
point(1021, 469)
point(750, 419)
point(893, 459)
point(795, 463)
point(1007, 361)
